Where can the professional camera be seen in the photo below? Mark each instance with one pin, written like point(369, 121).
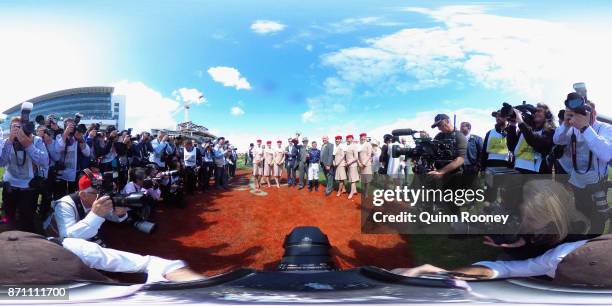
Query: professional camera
point(106, 187)
point(27, 126)
point(527, 112)
point(577, 103)
point(137, 201)
point(428, 154)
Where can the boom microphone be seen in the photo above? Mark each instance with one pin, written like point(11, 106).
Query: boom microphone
point(403, 132)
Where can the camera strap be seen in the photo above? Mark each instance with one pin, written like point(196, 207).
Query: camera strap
point(573, 147)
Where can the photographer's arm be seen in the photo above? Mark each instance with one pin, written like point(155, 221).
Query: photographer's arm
point(601, 144)
point(452, 166)
point(6, 152)
point(560, 137)
point(511, 137)
point(541, 143)
point(38, 152)
point(65, 217)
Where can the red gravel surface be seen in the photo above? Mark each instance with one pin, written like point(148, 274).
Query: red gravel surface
point(221, 230)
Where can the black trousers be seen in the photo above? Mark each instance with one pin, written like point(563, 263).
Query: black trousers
point(221, 176)
point(19, 206)
point(190, 179)
point(43, 194)
point(206, 172)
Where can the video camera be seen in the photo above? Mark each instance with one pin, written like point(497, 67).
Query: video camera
point(428, 154)
point(527, 112)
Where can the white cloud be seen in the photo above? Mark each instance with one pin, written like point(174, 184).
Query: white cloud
point(267, 27)
point(145, 107)
point(530, 58)
point(308, 116)
point(229, 77)
point(236, 111)
point(309, 47)
point(190, 95)
point(354, 23)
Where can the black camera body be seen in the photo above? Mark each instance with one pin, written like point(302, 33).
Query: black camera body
point(428, 154)
point(106, 187)
point(527, 112)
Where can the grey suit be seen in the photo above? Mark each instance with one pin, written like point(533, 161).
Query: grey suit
point(327, 159)
point(302, 165)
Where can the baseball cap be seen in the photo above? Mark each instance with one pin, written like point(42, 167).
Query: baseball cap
point(438, 119)
point(28, 258)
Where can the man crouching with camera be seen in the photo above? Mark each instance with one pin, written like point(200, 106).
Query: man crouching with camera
point(80, 214)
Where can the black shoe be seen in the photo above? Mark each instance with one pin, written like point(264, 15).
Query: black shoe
point(301, 187)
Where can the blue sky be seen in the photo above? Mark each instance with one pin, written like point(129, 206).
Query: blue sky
point(320, 67)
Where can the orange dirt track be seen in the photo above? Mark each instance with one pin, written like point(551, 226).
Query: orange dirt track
point(222, 230)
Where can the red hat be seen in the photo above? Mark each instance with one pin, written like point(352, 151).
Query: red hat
point(85, 182)
point(338, 137)
point(269, 142)
point(258, 140)
point(279, 141)
point(349, 136)
point(363, 135)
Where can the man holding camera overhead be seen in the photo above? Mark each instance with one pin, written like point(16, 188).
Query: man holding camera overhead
point(21, 152)
point(80, 214)
point(590, 144)
point(66, 146)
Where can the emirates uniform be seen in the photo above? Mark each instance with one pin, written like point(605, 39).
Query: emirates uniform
point(340, 162)
point(268, 161)
point(365, 158)
point(351, 156)
point(258, 160)
point(279, 160)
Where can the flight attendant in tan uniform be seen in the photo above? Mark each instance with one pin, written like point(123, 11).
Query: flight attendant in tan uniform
point(352, 159)
point(340, 165)
point(258, 160)
point(365, 163)
point(268, 161)
point(279, 161)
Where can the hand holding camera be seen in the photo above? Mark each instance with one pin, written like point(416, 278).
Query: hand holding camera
point(24, 139)
point(102, 206)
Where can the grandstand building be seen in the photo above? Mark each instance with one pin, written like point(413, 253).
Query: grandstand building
point(96, 104)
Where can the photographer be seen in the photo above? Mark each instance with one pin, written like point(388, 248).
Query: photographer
point(140, 150)
point(189, 157)
point(220, 154)
point(105, 149)
point(171, 184)
point(447, 132)
point(496, 152)
point(533, 140)
point(80, 214)
point(45, 177)
point(21, 152)
point(590, 144)
point(208, 165)
point(160, 148)
point(66, 146)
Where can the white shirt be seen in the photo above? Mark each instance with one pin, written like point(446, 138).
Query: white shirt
point(111, 260)
point(598, 139)
point(68, 224)
point(545, 264)
point(68, 155)
point(131, 187)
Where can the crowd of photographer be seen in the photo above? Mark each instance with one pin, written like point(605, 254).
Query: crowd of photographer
point(66, 178)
